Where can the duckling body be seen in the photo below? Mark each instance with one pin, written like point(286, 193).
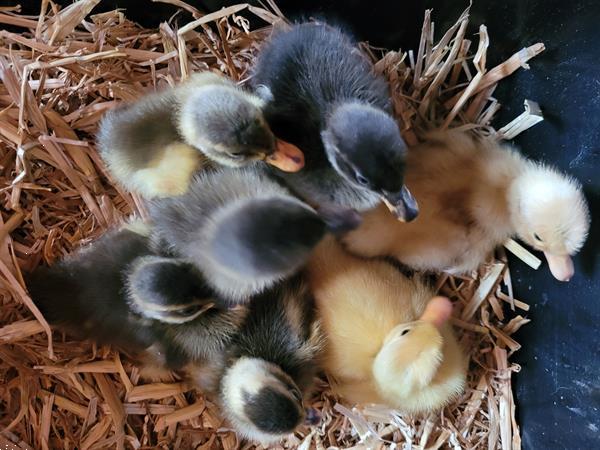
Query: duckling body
point(365, 307)
point(323, 97)
point(155, 145)
point(256, 360)
point(241, 228)
point(105, 281)
point(475, 195)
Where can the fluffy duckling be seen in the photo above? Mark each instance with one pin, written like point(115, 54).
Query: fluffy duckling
point(272, 362)
point(387, 339)
point(475, 194)
point(112, 281)
point(258, 361)
point(155, 145)
point(323, 96)
point(242, 229)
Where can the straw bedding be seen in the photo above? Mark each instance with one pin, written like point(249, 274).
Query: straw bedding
point(60, 72)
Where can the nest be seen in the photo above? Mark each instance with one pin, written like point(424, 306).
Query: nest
point(61, 72)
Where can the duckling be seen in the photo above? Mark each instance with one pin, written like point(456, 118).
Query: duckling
point(121, 293)
point(476, 194)
point(323, 96)
point(155, 145)
point(242, 229)
point(387, 337)
point(258, 360)
point(272, 362)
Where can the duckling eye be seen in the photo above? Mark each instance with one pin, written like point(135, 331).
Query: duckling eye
point(361, 180)
point(235, 155)
point(537, 237)
point(190, 310)
point(405, 332)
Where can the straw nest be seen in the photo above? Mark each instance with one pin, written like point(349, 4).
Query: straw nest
point(60, 73)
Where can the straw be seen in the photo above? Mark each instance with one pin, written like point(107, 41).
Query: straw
point(60, 73)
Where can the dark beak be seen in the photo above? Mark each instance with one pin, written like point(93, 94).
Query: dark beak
point(402, 204)
point(312, 417)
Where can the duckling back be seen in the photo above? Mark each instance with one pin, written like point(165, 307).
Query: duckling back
point(242, 229)
point(273, 362)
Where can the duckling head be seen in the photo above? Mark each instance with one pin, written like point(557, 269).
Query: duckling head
point(227, 124)
point(261, 400)
point(266, 237)
point(550, 213)
point(167, 290)
point(364, 145)
point(412, 353)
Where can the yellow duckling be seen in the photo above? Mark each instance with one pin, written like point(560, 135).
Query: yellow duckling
point(387, 339)
point(155, 145)
point(475, 194)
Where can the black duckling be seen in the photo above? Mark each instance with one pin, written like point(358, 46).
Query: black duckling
point(155, 145)
point(242, 229)
point(323, 96)
point(258, 360)
point(99, 291)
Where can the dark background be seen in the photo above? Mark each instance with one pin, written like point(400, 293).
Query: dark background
point(558, 389)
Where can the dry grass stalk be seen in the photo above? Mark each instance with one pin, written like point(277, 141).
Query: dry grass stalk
point(60, 73)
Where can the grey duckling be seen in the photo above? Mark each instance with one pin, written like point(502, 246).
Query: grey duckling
point(242, 229)
point(258, 360)
point(155, 145)
point(323, 96)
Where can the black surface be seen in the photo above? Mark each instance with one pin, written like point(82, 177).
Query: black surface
point(558, 388)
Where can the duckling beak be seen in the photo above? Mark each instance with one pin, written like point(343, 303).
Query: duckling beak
point(437, 311)
point(402, 204)
point(561, 266)
point(312, 417)
point(286, 157)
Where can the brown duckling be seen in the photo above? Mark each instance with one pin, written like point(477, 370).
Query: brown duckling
point(155, 145)
point(475, 194)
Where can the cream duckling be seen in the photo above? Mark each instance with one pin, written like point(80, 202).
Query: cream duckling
point(242, 229)
point(387, 336)
point(475, 194)
point(257, 361)
point(155, 145)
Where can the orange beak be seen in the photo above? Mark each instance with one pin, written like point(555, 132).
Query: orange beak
point(437, 311)
point(287, 157)
point(561, 266)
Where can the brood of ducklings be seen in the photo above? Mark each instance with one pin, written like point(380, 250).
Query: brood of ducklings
point(259, 360)
point(242, 229)
point(154, 145)
point(475, 194)
point(387, 340)
point(323, 96)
